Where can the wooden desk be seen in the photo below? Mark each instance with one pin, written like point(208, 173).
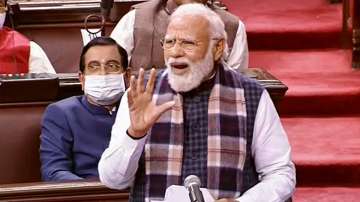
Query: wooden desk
point(70, 85)
point(70, 191)
point(274, 86)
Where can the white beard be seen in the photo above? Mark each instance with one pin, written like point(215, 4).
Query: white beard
point(195, 76)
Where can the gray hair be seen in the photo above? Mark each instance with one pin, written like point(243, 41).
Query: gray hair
point(217, 26)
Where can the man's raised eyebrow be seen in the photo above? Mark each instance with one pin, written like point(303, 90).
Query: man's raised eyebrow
point(113, 60)
point(169, 37)
point(93, 61)
point(179, 38)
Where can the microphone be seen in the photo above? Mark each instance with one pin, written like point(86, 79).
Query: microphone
point(192, 184)
point(106, 6)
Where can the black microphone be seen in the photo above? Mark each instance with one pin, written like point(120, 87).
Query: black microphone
point(106, 6)
point(192, 183)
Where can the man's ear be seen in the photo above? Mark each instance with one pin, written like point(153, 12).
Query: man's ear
point(82, 80)
point(218, 49)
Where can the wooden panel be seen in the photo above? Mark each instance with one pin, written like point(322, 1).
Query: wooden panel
point(70, 85)
point(81, 191)
point(19, 141)
point(29, 13)
point(273, 85)
point(28, 87)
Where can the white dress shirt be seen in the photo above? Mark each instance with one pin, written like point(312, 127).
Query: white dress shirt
point(270, 149)
point(38, 61)
point(238, 56)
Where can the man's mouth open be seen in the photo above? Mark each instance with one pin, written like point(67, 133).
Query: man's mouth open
point(179, 65)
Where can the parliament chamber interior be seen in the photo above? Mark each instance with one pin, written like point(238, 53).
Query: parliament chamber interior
point(306, 53)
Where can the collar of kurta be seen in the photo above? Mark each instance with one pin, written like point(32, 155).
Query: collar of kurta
point(96, 109)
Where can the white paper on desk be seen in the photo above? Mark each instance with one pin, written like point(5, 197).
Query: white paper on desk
point(86, 36)
point(181, 194)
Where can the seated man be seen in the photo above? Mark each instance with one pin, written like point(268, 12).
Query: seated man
point(198, 117)
point(140, 31)
point(76, 130)
point(17, 53)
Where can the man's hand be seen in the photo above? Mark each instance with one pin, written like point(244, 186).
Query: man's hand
point(143, 111)
point(226, 200)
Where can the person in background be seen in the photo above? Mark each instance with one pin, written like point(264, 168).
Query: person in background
point(75, 131)
point(17, 53)
point(198, 117)
point(141, 29)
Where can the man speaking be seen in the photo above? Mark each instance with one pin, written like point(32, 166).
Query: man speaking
point(198, 117)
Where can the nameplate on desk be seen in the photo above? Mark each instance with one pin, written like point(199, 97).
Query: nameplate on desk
point(28, 87)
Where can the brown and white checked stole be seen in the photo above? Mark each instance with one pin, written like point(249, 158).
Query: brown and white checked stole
point(226, 139)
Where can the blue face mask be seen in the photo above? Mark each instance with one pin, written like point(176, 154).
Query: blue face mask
point(104, 89)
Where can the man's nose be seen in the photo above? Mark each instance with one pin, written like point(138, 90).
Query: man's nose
point(176, 51)
point(103, 70)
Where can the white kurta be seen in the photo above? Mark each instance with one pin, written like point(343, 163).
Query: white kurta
point(38, 61)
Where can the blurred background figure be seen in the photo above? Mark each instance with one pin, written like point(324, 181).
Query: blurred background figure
point(141, 30)
point(17, 53)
